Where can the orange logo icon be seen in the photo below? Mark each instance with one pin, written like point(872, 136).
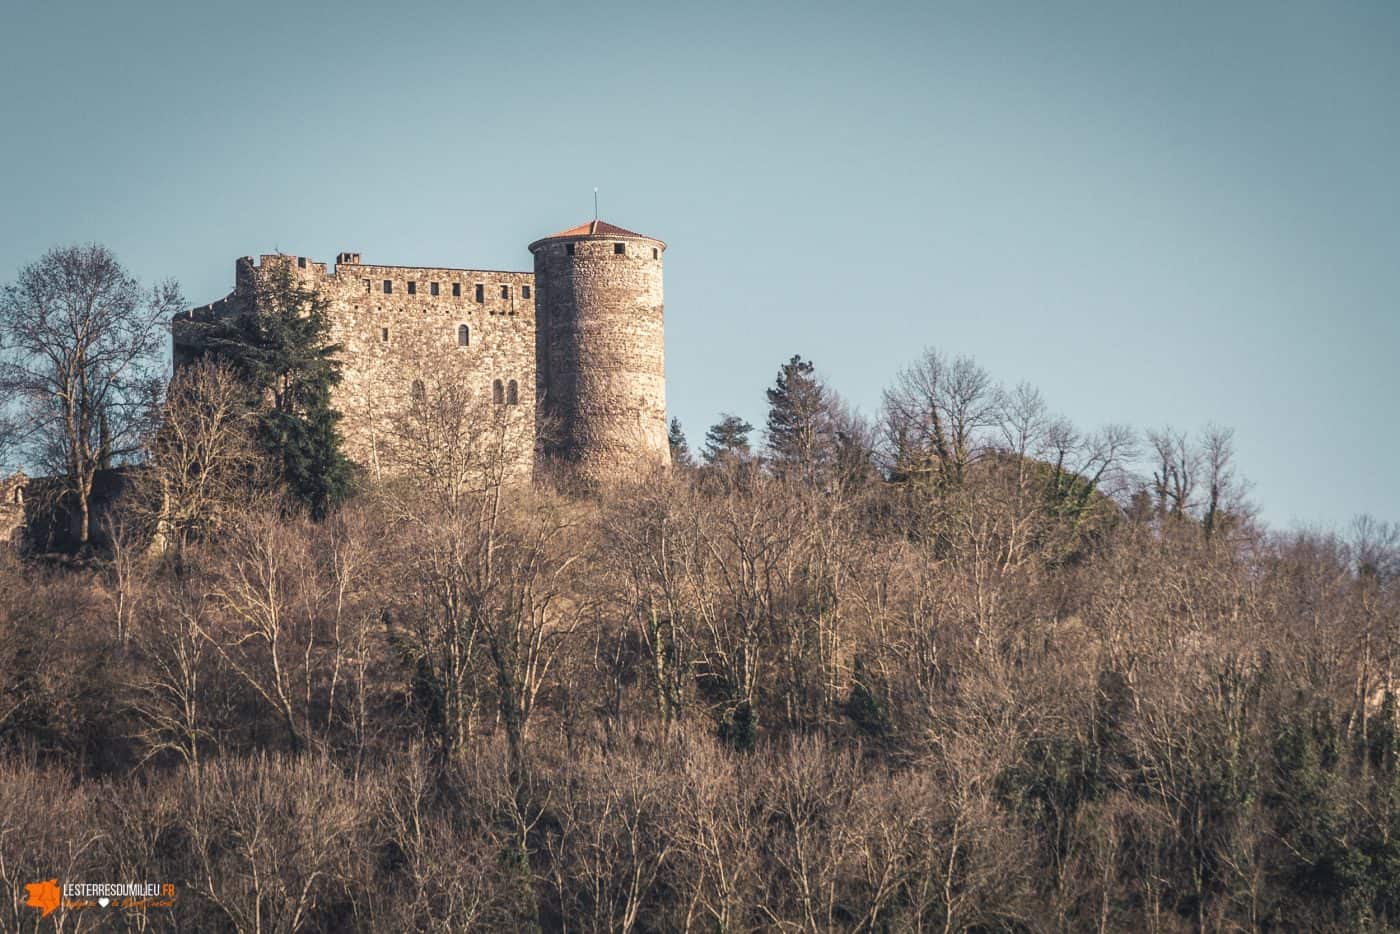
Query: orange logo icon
point(44, 896)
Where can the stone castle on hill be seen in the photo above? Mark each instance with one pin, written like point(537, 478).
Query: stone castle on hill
point(578, 342)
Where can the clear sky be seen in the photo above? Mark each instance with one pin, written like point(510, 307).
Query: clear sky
point(1156, 213)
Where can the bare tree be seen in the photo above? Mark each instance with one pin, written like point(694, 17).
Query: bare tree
point(274, 842)
point(203, 463)
point(491, 562)
point(1196, 477)
point(1224, 495)
point(175, 685)
point(265, 589)
point(653, 540)
point(78, 343)
point(936, 416)
point(1175, 476)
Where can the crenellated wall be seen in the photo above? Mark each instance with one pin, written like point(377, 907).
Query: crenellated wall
point(397, 325)
point(583, 335)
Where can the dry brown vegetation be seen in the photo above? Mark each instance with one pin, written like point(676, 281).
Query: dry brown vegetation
point(977, 679)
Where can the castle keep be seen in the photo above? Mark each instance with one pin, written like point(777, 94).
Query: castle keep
point(577, 344)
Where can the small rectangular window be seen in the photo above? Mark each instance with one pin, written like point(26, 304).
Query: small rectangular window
point(368, 289)
point(456, 290)
point(388, 286)
point(524, 291)
point(505, 291)
point(412, 288)
point(481, 293)
point(654, 254)
point(384, 335)
point(619, 248)
point(570, 249)
point(301, 261)
point(432, 288)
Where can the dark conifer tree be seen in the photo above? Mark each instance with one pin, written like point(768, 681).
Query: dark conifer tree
point(284, 354)
point(799, 431)
point(680, 449)
point(728, 438)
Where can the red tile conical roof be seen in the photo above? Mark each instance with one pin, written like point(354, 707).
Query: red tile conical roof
point(596, 229)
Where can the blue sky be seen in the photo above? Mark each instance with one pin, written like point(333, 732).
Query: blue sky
point(1156, 213)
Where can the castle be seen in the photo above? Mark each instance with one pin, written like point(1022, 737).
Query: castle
point(577, 344)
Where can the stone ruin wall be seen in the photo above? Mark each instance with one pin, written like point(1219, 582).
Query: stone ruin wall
point(601, 351)
point(392, 339)
point(12, 516)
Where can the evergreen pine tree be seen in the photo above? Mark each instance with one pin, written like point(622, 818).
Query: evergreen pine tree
point(728, 438)
point(680, 449)
point(799, 426)
point(284, 355)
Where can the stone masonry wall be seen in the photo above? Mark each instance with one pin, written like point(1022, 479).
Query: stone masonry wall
point(400, 325)
point(601, 351)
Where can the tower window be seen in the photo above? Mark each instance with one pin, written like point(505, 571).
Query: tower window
point(512, 393)
point(388, 286)
point(412, 287)
point(498, 393)
point(301, 261)
point(655, 254)
point(619, 248)
point(368, 288)
point(481, 293)
point(432, 288)
point(464, 335)
point(505, 291)
point(456, 290)
point(524, 291)
point(569, 249)
point(384, 335)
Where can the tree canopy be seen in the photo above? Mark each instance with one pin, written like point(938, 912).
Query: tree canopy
point(283, 352)
point(80, 343)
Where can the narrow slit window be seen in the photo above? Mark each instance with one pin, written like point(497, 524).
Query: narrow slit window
point(384, 335)
point(524, 291)
point(464, 335)
point(388, 286)
point(512, 393)
point(432, 288)
point(481, 293)
point(655, 254)
point(498, 393)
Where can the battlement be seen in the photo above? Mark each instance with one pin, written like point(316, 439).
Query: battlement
point(597, 355)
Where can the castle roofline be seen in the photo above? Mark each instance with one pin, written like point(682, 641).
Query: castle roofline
point(595, 229)
point(349, 267)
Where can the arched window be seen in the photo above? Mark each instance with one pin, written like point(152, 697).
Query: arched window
point(512, 393)
point(464, 335)
point(417, 390)
point(498, 392)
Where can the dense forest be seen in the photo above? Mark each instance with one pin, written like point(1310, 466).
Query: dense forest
point(958, 667)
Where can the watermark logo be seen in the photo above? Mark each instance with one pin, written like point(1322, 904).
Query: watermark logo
point(44, 896)
point(48, 896)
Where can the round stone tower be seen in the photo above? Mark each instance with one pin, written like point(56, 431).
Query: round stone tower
point(599, 348)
